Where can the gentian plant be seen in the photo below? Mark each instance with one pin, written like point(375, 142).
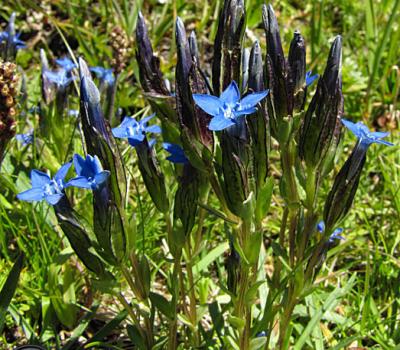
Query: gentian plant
point(247, 133)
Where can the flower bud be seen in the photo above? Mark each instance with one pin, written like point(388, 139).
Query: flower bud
point(341, 196)
point(228, 45)
point(320, 131)
point(279, 103)
point(297, 69)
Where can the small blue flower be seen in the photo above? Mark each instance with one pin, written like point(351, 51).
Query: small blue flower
point(43, 187)
point(310, 78)
point(177, 153)
point(90, 173)
point(60, 77)
point(25, 139)
point(135, 131)
point(366, 137)
point(16, 42)
point(228, 107)
point(10, 36)
point(261, 334)
point(66, 64)
point(104, 74)
point(334, 236)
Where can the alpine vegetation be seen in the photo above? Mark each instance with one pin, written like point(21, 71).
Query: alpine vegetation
point(205, 209)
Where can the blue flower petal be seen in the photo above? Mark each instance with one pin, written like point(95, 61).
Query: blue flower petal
point(310, 78)
point(220, 123)
point(54, 198)
point(210, 104)
point(31, 195)
point(231, 94)
point(80, 182)
point(155, 129)
point(101, 178)
point(97, 167)
point(145, 120)
point(62, 172)
point(79, 163)
point(321, 226)
point(251, 100)
point(39, 179)
point(246, 111)
point(120, 132)
point(177, 153)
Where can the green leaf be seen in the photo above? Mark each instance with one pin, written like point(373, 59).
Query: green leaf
point(330, 302)
point(162, 304)
point(9, 288)
point(258, 343)
point(211, 257)
point(263, 201)
point(136, 337)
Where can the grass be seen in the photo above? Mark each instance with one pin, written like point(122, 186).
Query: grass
point(57, 301)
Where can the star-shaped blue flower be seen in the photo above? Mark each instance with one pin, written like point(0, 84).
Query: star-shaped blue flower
point(10, 36)
point(25, 139)
point(104, 74)
point(366, 137)
point(228, 107)
point(60, 77)
point(66, 64)
point(135, 131)
point(43, 187)
point(310, 78)
point(177, 153)
point(334, 236)
point(90, 173)
point(16, 42)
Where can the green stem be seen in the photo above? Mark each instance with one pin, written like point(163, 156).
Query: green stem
point(192, 293)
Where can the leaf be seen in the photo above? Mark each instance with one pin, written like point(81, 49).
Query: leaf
point(136, 337)
point(263, 201)
point(162, 304)
point(330, 302)
point(9, 288)
point(211, 257)
point(258, 343)
point(108, 327)
point(78, 331)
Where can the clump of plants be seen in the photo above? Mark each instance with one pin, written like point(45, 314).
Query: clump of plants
point(244, 144)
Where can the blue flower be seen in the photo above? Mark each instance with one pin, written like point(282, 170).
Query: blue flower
point(366, 137)
point(10, 36)
point(66, 64)
point(334, 236)
point(90, 173)
point(310, 78)
point(25, 139)
point(60, 77)
point(16, 42)
point(135, 131)
point(104, 74)
point(228, 107)
point(43, 187)
point(177, 153)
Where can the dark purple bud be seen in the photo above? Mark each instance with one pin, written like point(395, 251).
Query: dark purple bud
point(341, 196)
point(190, 81)
point(77, 235)
point(187, 197)
point(152, 175)
point(258, 124)
point(320, 131)
point(297, 67)
point(228, 45)
point(151, 77)
point(48, 88)
point(277, 75)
